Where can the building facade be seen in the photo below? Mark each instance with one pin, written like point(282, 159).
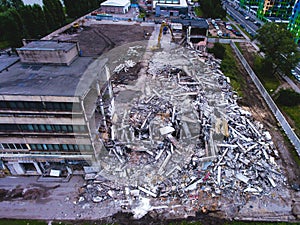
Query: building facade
point(294, 22)
point(170, 8)
point(277, 9)
point(47, 112)
point(115, 6)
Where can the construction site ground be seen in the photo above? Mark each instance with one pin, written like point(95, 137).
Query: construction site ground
point(55, 201)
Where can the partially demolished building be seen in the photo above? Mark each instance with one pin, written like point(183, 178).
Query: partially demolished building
point(45, 117)
point(177, 142)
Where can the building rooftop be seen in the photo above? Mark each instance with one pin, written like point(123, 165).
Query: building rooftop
point(171, 3)
point(115, 3)
point(6, 61)
point(48, 46)
point(48, 80)
point(200, 22)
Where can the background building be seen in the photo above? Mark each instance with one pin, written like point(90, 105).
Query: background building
point(294, 22)
point(275, 9)
point(170, 8)
point(115, 6)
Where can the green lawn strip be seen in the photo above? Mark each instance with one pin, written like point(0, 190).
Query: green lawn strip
point(231, 70)
point(294, 113)
point(4, 44)
point(22, 222)
point(269, 81)
point(198, 12)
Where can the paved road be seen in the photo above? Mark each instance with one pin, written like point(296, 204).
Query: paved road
point(292, 84)
point(249, 26)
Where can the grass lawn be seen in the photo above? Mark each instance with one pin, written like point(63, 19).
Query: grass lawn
point(4, 44)
point(294, 113)
point(230, 69)
point(198, 12)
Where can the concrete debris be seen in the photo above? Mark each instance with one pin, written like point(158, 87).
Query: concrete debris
point(183, 137)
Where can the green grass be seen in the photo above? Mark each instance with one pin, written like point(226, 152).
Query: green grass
point(4, 44)
point(230, 69)
point(22, 222)
point(269, 81)
point(198, 12)
point(294, 113)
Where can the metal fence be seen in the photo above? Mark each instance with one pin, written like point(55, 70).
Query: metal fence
point(279, 116)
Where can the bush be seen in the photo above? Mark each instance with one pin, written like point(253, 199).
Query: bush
point(288, 98)
point(218, 50)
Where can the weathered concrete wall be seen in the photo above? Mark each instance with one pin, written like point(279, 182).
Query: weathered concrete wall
point(48, 56)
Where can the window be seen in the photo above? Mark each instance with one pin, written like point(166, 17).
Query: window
point(64, 128)
point(56, 147)
point(30, 127)
point(5, 146)
point(42, 127)
point(48, 128)
point(45, 147)
point(64, 147)
point(12, 146)
point(33, 146)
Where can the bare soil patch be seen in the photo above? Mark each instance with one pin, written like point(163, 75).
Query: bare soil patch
point(100, 38)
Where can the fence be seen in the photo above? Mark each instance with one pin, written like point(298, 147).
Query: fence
point(279, 116)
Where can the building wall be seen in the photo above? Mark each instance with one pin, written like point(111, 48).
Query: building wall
point(42, 131)
point(275, 8)
point(115, 9)
point(168, 11)
point(294, 22)
point(48, 56)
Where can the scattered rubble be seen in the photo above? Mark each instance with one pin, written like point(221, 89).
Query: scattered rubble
point(183, 142)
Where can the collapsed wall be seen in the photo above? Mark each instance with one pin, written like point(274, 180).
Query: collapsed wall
point(179, 143)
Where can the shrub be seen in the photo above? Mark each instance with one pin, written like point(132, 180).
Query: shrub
point(218, 50)
point(288, 98)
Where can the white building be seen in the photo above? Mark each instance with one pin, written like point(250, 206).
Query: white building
point(115, 6)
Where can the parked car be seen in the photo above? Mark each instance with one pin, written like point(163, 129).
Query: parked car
point(257, 23)
point(220, 33)
point(228, 27)
point(239, 34)
point(247, 17)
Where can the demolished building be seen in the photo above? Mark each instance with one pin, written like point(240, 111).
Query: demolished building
point(176, 140)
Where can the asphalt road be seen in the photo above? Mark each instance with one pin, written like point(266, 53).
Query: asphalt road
point(250, 27)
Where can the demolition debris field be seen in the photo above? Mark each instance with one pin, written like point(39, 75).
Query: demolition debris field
point(177, 144)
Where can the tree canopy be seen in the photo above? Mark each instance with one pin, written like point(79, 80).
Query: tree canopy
point(212, 9)
point(278, 46)
point(18, 21)
point(77, 8)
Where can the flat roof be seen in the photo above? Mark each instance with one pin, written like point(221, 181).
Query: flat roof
point(48, 80)
point(48, 46)
point(6, 61)
point(119, 3)
point(199, 22)
point(171, 3)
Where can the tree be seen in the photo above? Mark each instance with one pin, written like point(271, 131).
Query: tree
point(279, 48)
point(54, 14)
point(212, 8)
point(10, 30)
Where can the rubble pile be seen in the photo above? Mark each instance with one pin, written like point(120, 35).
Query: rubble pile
point(183, 135)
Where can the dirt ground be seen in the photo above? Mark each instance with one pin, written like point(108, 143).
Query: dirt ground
point(96, 39)
point(255, 103)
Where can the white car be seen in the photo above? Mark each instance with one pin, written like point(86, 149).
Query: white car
point(247, 17)
point(220, 33)
point(228, 27)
